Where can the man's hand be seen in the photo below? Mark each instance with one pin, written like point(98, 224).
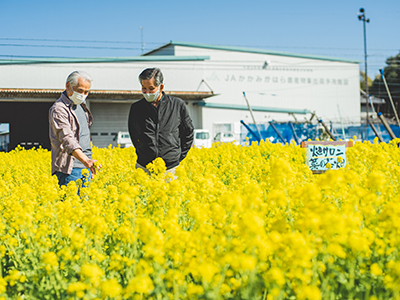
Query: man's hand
point(92, 164)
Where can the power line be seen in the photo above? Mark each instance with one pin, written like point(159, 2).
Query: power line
point(77, 41)
point(65, 46)
point(32, 56)
point(229, 45)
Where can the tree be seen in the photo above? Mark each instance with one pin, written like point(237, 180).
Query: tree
point(362, 81)
point(392, 76)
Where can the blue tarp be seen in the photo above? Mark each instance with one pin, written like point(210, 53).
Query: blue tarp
point(303, 132)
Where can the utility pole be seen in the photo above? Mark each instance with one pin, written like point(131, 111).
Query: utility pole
point(362, 17)
point(141, 28)
point(390, 98)
point(251, 113)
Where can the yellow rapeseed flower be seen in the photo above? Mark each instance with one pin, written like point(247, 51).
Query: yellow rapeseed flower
point(111, 288)
point(376, 270)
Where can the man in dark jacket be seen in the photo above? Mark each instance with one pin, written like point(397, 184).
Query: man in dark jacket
point(159, 125)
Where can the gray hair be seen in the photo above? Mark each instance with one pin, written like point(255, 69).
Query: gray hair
point(152, 73)
point(74, 76)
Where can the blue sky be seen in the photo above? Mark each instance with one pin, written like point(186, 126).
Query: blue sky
point(103, 28)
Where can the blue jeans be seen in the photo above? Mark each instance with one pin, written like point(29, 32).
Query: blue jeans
point(64, 179)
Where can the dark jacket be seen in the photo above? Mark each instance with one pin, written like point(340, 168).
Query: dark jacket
point(165, 131)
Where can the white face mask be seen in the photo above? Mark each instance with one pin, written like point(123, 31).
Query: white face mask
point(151, 97)
point(77, 98)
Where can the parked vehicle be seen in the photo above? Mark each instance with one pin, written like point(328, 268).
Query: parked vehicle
point(202, 138)
point(225, 137)
point(123, 139)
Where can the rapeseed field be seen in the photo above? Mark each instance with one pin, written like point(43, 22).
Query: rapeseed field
point(237, 222)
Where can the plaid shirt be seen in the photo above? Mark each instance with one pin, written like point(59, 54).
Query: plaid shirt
point(64, 133)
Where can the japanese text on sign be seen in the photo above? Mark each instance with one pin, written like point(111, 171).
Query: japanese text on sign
point(320, 155)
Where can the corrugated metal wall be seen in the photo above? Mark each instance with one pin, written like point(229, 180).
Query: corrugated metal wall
point(109, 118)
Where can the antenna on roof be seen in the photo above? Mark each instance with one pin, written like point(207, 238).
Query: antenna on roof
point(141, 28)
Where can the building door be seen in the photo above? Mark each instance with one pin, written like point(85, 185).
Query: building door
point(108, 120)
point(28, 123)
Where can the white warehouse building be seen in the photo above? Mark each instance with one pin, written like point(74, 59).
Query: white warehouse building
point(214, 81)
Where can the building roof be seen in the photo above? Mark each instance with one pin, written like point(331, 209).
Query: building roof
point(150, 57)
point(52, 94)
point(248, 50)
point(255, 108)
point(61, 60)
point(372, 99)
